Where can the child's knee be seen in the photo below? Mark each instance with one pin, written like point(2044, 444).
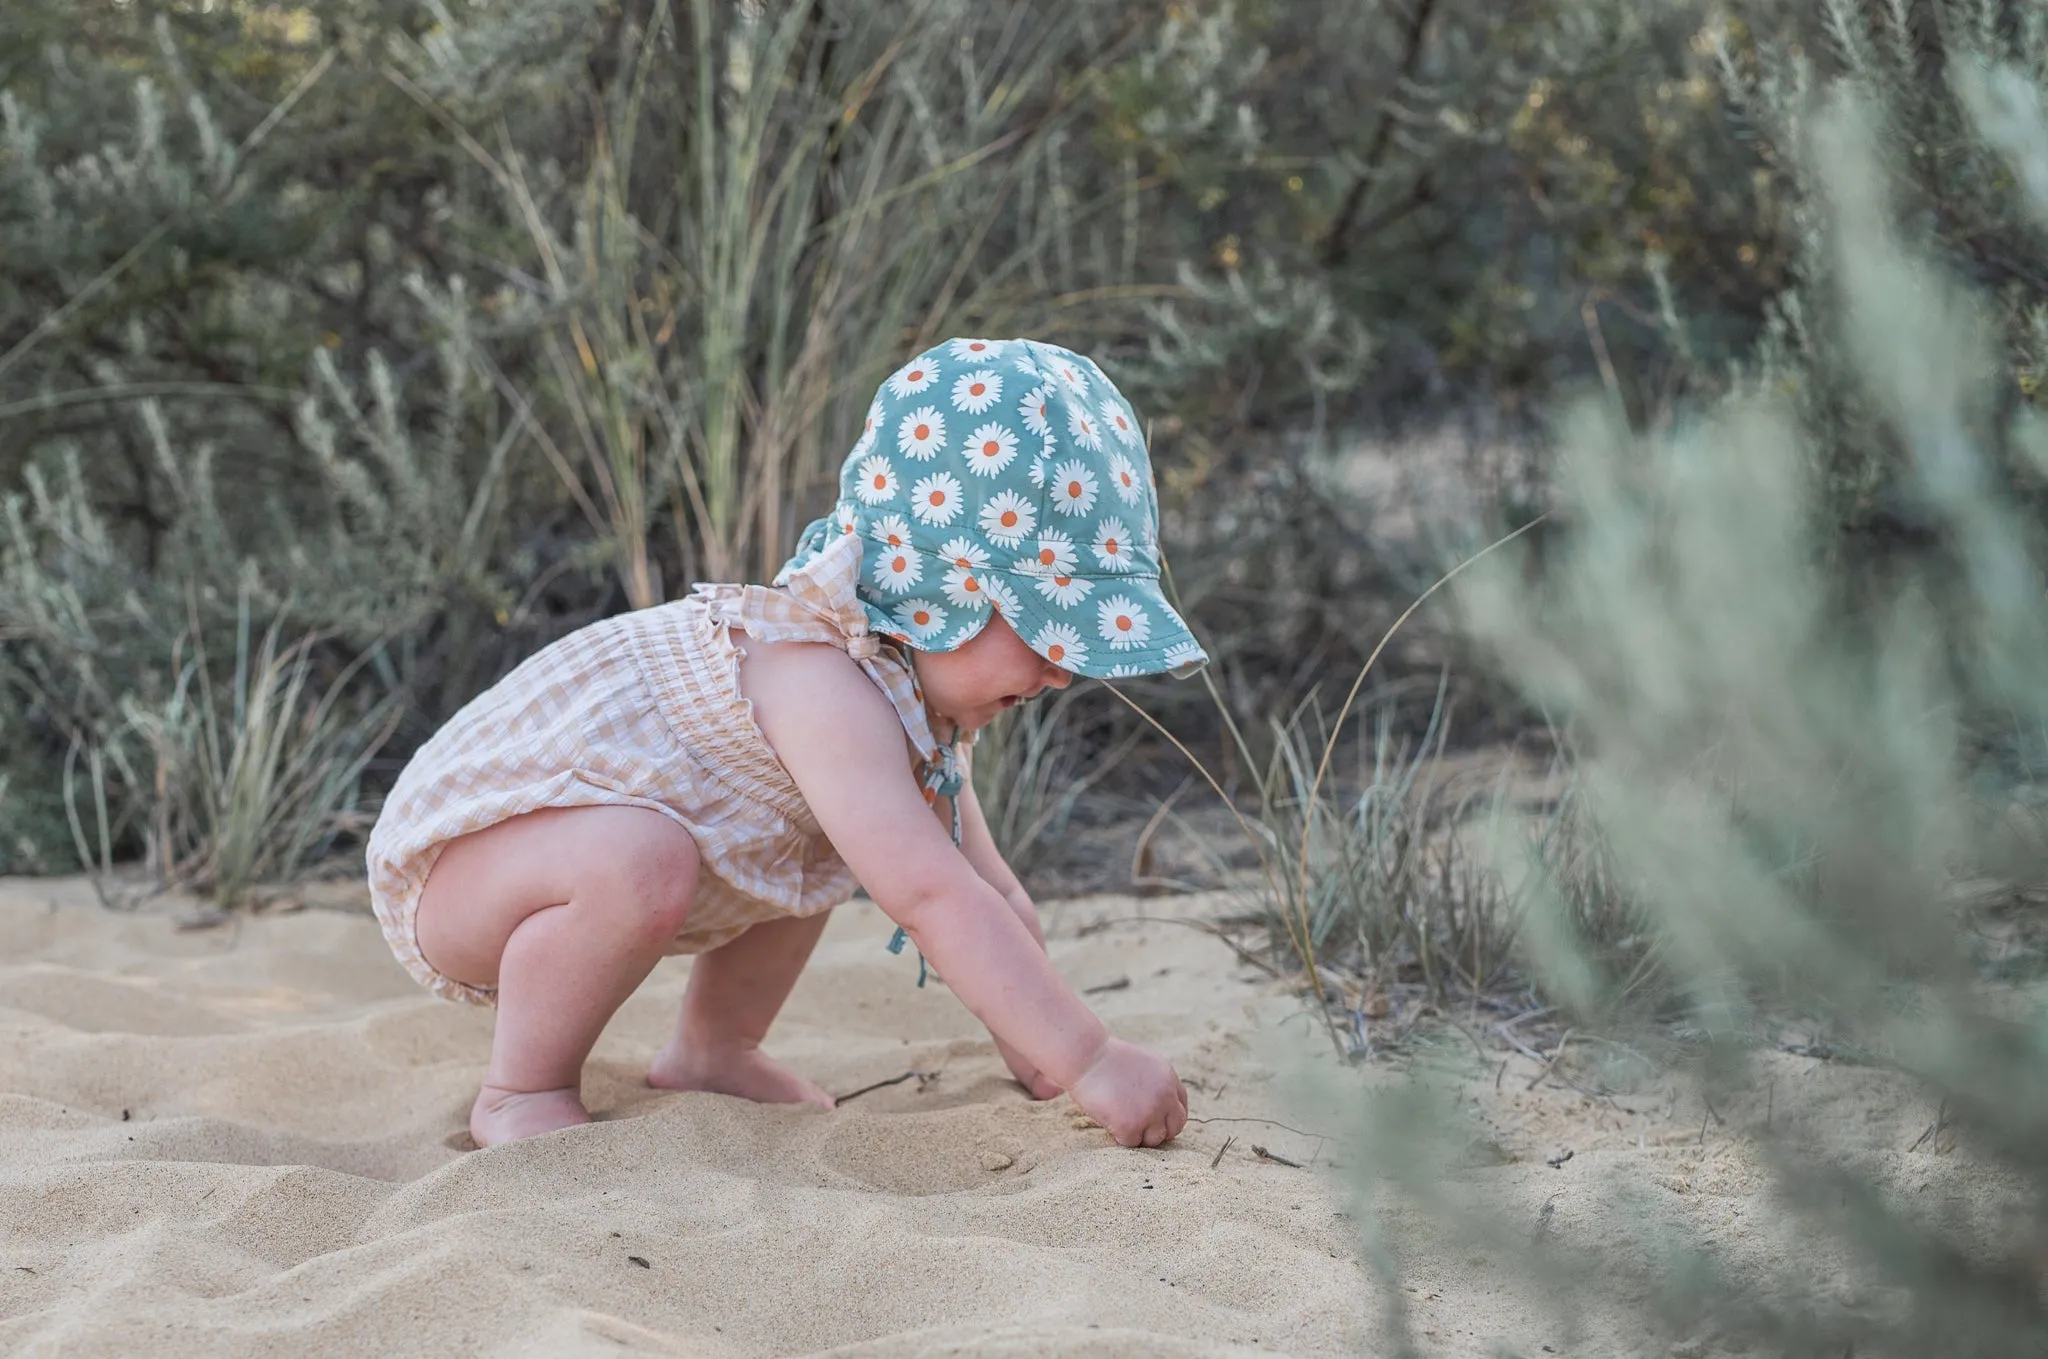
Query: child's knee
point(648, 878)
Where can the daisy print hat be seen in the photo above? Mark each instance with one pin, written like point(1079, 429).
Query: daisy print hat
point(1009, 476)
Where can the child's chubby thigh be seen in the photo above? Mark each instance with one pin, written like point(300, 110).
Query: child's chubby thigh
point(620, 877)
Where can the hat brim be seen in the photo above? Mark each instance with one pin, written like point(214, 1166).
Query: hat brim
point(1122, 627)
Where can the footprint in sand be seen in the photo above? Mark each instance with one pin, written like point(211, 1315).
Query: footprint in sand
point(950, 1151)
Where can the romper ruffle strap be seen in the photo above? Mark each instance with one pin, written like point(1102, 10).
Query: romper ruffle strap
point(817, 603)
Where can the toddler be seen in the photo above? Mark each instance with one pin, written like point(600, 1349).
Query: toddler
point(711, 776)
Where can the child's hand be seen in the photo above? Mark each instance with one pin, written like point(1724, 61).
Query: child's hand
point(1133, 1093)
point(1030, 1077)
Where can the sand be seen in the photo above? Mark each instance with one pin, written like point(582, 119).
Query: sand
point(248, 1140)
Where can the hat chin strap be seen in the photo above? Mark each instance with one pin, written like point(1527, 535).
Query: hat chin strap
point(932, 715)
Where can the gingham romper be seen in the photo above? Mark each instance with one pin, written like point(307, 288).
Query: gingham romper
point(645, 710)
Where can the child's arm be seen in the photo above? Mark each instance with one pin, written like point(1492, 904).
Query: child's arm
point(842, 744)
point(979, 845)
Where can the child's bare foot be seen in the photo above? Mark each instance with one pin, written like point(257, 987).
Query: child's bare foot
point(508, 1115)
point(746, 1072)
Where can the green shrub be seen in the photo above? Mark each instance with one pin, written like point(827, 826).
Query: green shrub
point(1785, 792)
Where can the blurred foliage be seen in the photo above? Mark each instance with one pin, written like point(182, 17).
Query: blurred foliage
point(452, 325)
point(1791, 809)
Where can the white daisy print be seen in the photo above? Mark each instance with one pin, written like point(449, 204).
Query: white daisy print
point(1184, 653)
point(922, 433)
point(898, 570)
point(1065, 591)
point(877, 481)
point(1007, 519)
point(1084, 429)
point(1061, 645)
point(1076, 380)
point(913, 378)
point(964, 552)
point(1073, 487)
point(1037, 470)
point(1113, 545)
point(936, 499)
point(847, 519)
point(1123, 479)
point(921, 618)
point(1122, 623)
point(1123, 672)
point(1036, 419)
point(972, 351)
point(990, 449)
point(963, 587)
point(976, 392)
point(869, 429)
point(1000, 595)
point(1055, 555)
point(890, 531)
point(1116, 422)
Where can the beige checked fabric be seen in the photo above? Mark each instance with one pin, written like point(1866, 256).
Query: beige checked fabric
point(645, 710)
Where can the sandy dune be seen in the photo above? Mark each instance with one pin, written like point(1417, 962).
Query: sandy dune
point(247, 1140)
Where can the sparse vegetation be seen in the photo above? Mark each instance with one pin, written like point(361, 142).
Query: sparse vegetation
point(349, 354)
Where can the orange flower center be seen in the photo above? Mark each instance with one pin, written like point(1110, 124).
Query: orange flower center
point(938, 497)
point(917, 375)
point(922, 618)
point(970, 585)
point(1045, 556)
point(1126, 476)
point(1074, 489)
point(1063, 581)
point(962, 562)
point(1009, 519)
point(1123, 622)
point(900, 564)
point(921, 433)
point(882, 481)
point(1109, 546)
point(1055, 653)
point(991, 449)
point(977, 389)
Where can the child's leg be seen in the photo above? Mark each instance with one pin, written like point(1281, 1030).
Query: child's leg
point(735, 993)
point(565, 911)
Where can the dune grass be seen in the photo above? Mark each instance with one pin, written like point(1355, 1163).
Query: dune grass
point(1782, 766)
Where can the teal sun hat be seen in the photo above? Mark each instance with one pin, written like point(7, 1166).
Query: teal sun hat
point(1009, 476)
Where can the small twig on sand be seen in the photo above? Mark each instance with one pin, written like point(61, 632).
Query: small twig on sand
point(883, 1085)
point(1120, 984)
point(1933, 1129)
point(1271, 1123)
point(1551, 1065)
point(1217, 929)
point(1519, 1046)
point(1217, 1159)
point(1265, 1155)
point(1543, 1219)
